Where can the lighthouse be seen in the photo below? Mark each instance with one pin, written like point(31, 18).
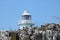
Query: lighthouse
point(26, 20)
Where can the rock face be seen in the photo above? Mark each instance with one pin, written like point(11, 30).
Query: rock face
point(4, 35)
point(36, 36)
point(48, 32)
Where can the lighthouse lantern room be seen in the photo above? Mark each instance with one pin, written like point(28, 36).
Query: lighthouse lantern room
point(26, 20)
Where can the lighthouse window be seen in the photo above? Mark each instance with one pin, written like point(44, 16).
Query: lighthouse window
point(26, 17)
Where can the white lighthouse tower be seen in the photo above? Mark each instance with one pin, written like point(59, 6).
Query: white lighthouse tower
point(26, 20)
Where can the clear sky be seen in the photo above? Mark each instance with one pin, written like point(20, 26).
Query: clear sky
point(42, 12)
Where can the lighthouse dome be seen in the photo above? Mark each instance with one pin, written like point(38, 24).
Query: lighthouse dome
point(26, 13)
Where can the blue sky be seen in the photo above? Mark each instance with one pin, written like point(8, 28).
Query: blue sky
point(42, 12)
